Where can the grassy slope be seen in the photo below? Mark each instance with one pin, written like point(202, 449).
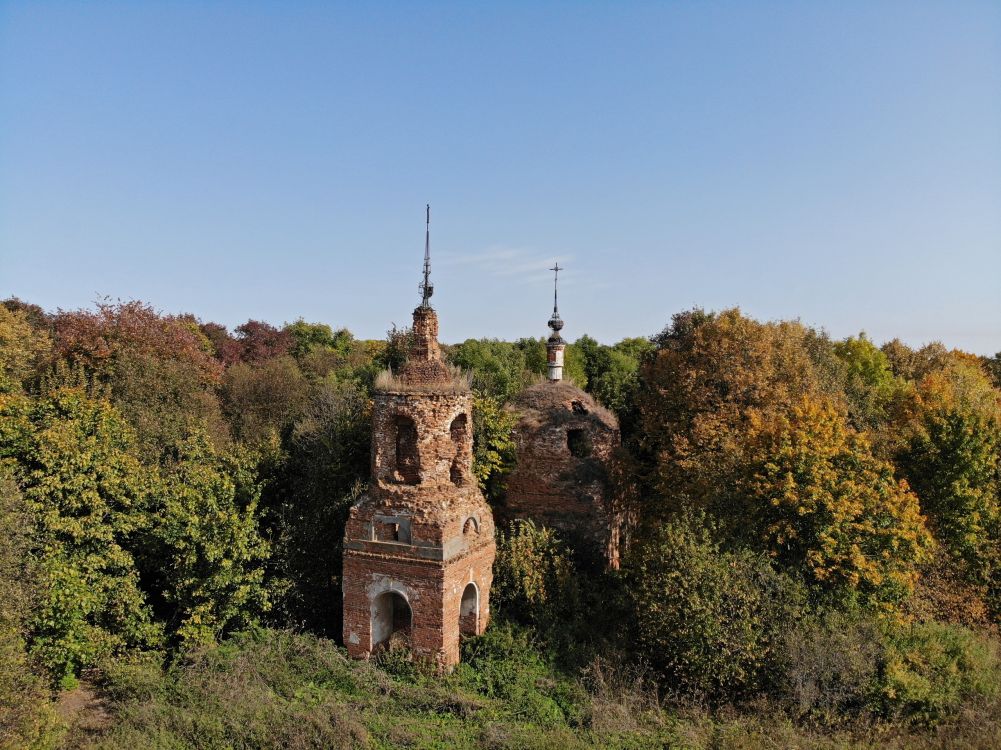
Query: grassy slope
point(273, 689)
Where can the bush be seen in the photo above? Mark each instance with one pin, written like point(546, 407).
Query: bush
point(708, 619)
point(25, 715)
point(831, 667)
point(534, 577)
point(933, 669)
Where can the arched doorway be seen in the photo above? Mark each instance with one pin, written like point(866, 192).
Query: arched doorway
point(469, 610)
point(390, 614)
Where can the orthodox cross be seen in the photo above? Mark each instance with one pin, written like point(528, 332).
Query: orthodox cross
point(556, 277)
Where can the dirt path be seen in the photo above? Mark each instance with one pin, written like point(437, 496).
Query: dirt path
point(83, 710)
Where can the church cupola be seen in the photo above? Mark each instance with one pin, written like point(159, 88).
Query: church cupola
point(555, 346)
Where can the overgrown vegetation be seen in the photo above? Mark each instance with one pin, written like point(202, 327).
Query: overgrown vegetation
point(817, 561)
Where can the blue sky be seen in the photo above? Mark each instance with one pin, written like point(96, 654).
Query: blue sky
point(836, 162)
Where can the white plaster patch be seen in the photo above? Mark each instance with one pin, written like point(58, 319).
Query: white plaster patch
point(383, 583)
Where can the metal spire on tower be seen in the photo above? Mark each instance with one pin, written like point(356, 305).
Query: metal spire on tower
point(426, 288)
point(556, 277)
point(555, 322)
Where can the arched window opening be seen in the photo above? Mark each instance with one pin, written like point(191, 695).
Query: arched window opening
point(469, 610)
point(408, 462)
point(391, 619)
point(458, 431)
point(471, 527)
point(579, 443)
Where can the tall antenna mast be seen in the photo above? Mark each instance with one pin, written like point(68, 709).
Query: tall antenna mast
point(426, 288)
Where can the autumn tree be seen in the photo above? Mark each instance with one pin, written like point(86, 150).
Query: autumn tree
point(949, 451)
point(261, 400)
point(711, 377)
point(261, 341)
point(225, 347)
point(823, 506)
point(23, 347)
point(159, 369)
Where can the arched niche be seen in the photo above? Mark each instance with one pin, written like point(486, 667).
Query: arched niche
point(469, 610)
point(391, 614)
point(458, 430)
point(408, 460)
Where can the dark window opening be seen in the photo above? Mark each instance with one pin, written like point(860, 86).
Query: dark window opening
point(579, 443)
point(390, 529)
point(578, 407)
point(408, 463)
point(458, 431)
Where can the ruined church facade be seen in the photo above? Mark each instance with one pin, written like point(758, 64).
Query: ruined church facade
point(565, 444)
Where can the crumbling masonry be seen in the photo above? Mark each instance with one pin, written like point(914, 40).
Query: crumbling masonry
point(419, 547)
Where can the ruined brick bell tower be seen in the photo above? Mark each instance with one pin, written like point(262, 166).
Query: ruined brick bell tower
point(419, 546)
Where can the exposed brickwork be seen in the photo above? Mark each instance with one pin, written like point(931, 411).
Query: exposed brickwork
point(424, 366)
point(553, 486)
point(423, 530)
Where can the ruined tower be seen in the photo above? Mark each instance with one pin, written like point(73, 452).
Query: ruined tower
point(419, 546)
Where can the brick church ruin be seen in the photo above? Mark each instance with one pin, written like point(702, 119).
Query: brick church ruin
point(565, 442)
point(419, 545)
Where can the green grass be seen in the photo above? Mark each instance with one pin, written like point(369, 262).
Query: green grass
point(276, 689)
point(271, 689)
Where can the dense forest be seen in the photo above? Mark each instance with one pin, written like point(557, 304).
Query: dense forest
point(816, 560)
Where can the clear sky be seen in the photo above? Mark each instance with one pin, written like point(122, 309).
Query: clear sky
point(838, 162)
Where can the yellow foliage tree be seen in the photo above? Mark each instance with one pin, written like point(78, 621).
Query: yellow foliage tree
point(825, 506)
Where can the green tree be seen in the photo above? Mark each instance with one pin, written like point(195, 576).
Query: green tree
point(868, 380)
point(262, 400)
point(314, 478)
point(498, 367)
point(534, 576)
point(309, 337)
point(25, 716)
point(709, 620)
point(73, 459)
point(950, 451)
point(493, 445)
point(209, 554)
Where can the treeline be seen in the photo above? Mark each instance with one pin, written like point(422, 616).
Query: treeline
point(818, 521)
